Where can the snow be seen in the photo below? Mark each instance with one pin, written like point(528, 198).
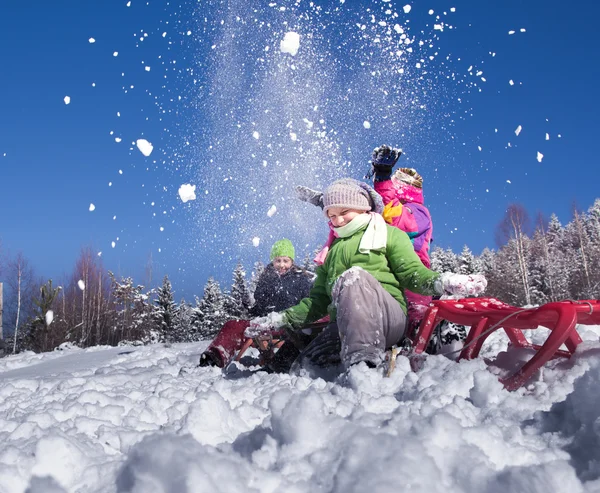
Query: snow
point(518, 130)
point(123, 419)
point(406, 9)
point(256, 135)
point(67, 99)
point(49, 317)
point(187, 192)
point(92, 207)
point(91, 40)
point(144, 146)
point(81, 284)
point(367, 124)
point(540, 156)
point(290, 43)
point(272, 210)
point(256, 241)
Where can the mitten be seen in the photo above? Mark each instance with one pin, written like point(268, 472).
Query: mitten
point(261, 326)
point(383, 160)
point(306, 194)
point(461, 284)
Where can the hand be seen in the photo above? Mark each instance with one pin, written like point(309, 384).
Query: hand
point(264, 326)
point(461, 284)
point(383, 160)
point(309, 195)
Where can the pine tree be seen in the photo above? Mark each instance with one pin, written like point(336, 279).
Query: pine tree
point(165, 310)
point(466, 262)
point(135, 316)
point(259, 268)
point(183, 323)
point(239, 301)
point(444, 260)
point(211, 312)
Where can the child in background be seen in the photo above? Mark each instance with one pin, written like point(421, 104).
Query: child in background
point(282, 284)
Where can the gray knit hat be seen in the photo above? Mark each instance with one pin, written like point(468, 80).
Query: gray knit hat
point(352, 194)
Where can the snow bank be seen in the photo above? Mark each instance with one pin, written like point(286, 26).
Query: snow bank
point(123, 419)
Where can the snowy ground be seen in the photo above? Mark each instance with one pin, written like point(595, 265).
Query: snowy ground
point(122, 419)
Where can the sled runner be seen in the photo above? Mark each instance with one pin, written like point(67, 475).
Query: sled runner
point(482, 316)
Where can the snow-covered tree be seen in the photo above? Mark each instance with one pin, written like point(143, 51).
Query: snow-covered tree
point(467, 263)
point(135, 315)
point(211, 311)
point(165, 310)
point(444, 260)
point(239, 300)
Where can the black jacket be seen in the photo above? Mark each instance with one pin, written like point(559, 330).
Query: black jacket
point(275, 293)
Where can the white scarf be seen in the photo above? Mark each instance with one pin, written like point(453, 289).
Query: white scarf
point(374, 238)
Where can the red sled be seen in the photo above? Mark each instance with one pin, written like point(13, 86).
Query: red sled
point(482, 316)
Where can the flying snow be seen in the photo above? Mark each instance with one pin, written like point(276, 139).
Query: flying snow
point(256, 241)
point(67, 100)
point(290, 43)
point(144, 146)
point(49, 317)
point(92, 40)
point(367, 124)
point(518, 130)
point(92, 207)
point(81, 284)
point(540, 156)
point(406, 9)
point(187, 192)
point(272, 210)
point(547, 136)
point(256, 135)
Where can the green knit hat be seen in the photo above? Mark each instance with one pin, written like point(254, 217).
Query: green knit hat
point(283, 248)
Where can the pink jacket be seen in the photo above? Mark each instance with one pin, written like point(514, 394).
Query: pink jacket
point(404, 209)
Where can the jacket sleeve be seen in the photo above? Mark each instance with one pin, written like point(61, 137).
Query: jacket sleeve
point(407, 266)
point(314, 306)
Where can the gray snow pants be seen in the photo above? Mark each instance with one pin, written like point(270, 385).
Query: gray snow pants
point(369, 321)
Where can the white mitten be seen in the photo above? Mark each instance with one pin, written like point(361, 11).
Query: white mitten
point(264, 325)
point(461, 284)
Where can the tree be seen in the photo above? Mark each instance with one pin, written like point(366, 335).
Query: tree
point(165, 310)
point(514, 226)
point(467, 263)
point(210, 310)
point(444, 260)
point(85, 306)
point(20, 281)
point(39, 333)
point(135, 319)
point(259, 268)
point(239, 301)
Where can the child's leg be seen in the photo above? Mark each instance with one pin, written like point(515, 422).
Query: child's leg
point(369, 319)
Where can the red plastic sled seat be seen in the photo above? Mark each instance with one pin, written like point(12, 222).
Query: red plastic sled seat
point(486, 315)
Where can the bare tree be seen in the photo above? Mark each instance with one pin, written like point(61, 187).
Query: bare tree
point(515, 226)
point(20, 280)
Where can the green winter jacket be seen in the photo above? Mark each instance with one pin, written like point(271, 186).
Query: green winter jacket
point(397, 268)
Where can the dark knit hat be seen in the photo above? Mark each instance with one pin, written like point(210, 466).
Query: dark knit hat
point(283, 248)
point(352, 194)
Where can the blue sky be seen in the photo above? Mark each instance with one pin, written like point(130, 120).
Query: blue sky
point(209, 94)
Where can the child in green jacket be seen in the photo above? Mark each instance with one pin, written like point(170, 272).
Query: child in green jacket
point(362, 281)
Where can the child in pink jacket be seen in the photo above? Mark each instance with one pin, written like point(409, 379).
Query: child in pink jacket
point(402, 194)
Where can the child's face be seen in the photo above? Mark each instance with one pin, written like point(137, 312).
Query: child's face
point(340, 216)
point(282, 264)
